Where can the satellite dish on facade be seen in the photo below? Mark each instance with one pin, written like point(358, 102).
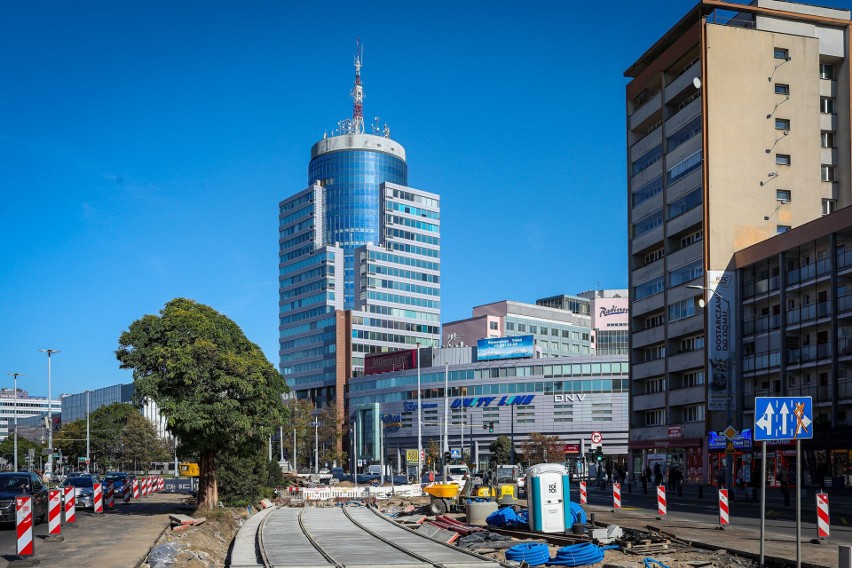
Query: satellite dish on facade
point(697, 82)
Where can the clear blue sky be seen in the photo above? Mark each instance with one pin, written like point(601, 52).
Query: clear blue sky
point(144, 147)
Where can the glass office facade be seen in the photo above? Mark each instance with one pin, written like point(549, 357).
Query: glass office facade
point(352, 207)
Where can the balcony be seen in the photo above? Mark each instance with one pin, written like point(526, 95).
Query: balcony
point(808, 313)
point(686, 360)
point(645, 240)
point(691, 395)
point(649, 369)
point(844, 346)
point(844, 305)
point(688, 219)
point(808, 353)
point(761, 361)
point(828, 122)
point(646, 143)
point(683, 82)
point(687, 326)
point(648, 401)
point(649, 336)
point(647, 305)
point(762, 324)
point(644, 116)
point(758, 287)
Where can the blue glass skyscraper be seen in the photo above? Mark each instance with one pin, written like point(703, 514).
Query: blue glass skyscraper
point(359, 261)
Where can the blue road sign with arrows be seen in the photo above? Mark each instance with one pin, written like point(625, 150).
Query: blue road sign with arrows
point(455, 453)
point(783, 418)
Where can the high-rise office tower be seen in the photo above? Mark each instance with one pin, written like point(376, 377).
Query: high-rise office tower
point(359, 260)
point(738, 127)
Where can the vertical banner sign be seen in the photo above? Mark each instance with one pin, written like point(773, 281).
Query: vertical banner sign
point(616, 496)
point(70, 508)
point(24, 525)
point(721, 384)
point(54, 525)
point(724, 518)
point(661, 500)
point(823, 523)
point(583, 496)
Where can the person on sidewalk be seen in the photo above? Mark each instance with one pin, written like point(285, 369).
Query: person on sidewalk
point(658, 474)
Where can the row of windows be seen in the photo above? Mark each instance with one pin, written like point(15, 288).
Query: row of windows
point(385, 337)
point(320, 351)
point(647, 191)
point(298, 227)
point(315, 339)
point(686, 273)
point(318, 272)
point(413, 223)
point(298, 266)
point(647, 159)
point(289, 218)
point(294, 254)
point(404, 260)
point(308, 301)
point(417, 237)
point(327, 323)
point(402, 313)
point(307, 314)
point(413, 249)
point(683, 168)
point(293, 203)
point(648, 223)
point(686, 132)
point(648, 288)
point(299, 290)
point(558, 387)
point(404, 300)
point(403, 208)
point(682, 309)
point(399, 325)
point(402, 286)
point(685, 203)
point(541, 330)
point(408, 274)
point(414, 198)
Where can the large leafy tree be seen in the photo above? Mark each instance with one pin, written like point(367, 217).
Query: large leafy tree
point(71, 440)
point(216, 388)
point(501, 450)
point(541, 448)
point(139, 444)
point(7, 451)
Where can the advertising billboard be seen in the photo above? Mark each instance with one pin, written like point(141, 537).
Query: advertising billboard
point(721, 384)
point(495, 348)
point(394, 361)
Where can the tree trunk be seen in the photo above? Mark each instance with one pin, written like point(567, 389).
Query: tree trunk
point(208, 487)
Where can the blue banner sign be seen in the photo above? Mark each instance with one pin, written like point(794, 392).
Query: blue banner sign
point(495, 348)
point(716, 441)
point(411, 405)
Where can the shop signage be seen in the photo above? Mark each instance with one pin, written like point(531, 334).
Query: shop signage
point(392, 422)
point(521, 400)
point(411, 405)
point(411, 456)
point(386, 362)
point(568, 397)
point(572, 449)
point(717, 442)
point(676, 431)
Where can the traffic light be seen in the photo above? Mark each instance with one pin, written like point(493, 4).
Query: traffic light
point(491, 427)
point(447, 456)
point(599, 455)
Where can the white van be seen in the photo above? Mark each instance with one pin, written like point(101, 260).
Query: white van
point(457, 473)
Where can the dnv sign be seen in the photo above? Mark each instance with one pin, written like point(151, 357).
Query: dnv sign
point(783, 418)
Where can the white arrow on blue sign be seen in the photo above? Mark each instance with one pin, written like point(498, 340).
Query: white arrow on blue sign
point(455, 453)
point(783, 418)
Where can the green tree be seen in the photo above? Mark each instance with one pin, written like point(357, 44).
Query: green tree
point(216, 389)
point(244, 474)
point(541, 448)
point(71, 439)
point(501, 450)
point(140, 445)
point(105, 427)
point(299, 419)
point(331, 430)
point(7, 451)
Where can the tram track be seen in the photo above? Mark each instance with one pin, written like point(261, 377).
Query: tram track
point(351, 537)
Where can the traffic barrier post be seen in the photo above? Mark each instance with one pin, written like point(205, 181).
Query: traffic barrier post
point(127, 492)
point(136, 488)
point(70, 508)
point(823, 520)
point(110, 495)
point(583, 497)
point(661, 501)
point(616, 496)
point(24, 525)
point(724, 517)
point(98, 498)
point(54, 510)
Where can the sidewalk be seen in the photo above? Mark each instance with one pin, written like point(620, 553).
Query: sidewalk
point(738, 540)
point(117, 539)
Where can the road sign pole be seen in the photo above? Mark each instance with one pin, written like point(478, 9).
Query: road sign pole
point(798, 503)
point(762, 502)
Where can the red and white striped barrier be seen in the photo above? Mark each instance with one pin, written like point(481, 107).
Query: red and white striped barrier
point(616, 496)
point(98, 498)
point(162, 484)
point(54, 509)
point(583, 497)
point(110, 495)
point(146, 486)
point(823, 522)
point(661, 500)
point(70, 508)
point(724, 518)
point(24, 525)
point(136, 489)
point(127, 492)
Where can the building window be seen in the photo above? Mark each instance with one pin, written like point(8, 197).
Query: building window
point(827, 139)
point(657, 384)
point(686, 273)
point(828, 173)
point(693, 379)
point(782, 89)
point(655, 321)
point(783, 195)
point(492, 325)
point(533, 329)
point(782, 229)
point(829, 206)
point(654, 353)
point(647, 159)
point(655, 417)
point(648, 288)
point(693, 413)
point(692, 343)
point(682, 309)
point(510, 326)
point(522, 327)
point(648, 223)
point(685, 203)
point(781, 53)
point(782, 159)
point(782, 124)
point(653, 256)
point(684, 167)
point(692, 238)
point(826, 105)
point(684, 133)
point(647, 191)
point(826, 71)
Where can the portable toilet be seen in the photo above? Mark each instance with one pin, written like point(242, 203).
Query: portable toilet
point(548, 499)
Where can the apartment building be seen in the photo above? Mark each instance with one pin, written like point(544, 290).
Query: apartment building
point(738, 122)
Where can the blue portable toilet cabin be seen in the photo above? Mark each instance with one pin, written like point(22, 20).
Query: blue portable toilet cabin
point(548, 498)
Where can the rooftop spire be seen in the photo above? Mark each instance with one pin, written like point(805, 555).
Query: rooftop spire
point(358, 92)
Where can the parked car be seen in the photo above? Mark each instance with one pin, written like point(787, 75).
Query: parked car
point(14, 484)
point(84, 492)
point(118, 479)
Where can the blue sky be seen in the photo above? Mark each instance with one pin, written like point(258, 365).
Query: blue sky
point(144, 147)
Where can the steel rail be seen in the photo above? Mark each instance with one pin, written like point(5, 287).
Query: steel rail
point(391, 543)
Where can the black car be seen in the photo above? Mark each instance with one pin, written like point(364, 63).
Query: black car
point(14, 484)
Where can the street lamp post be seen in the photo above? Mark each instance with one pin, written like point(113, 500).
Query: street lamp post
point(15, 417)
point(419, 422)
point(88, 437)
point(316, 447)
point(729, 459)
point(49, 352)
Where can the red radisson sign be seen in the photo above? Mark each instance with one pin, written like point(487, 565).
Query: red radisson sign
point(572, 449)
point(386, 362)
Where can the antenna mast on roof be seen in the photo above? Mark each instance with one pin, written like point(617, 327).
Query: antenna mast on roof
point(357, 126)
